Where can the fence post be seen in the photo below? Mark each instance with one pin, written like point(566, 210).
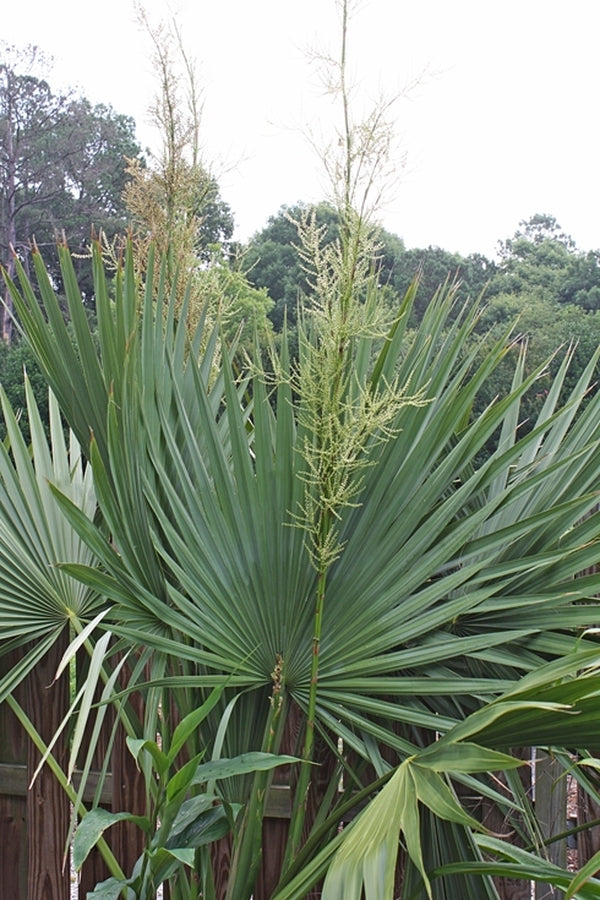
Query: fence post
point(128, 788)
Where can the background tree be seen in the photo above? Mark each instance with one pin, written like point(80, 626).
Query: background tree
point(550, 290)
point(581, 282)
point(547, 328)
point(62, 165)
point(540, 258)
point(434, 267)
point(16, 359)
point(96, 173)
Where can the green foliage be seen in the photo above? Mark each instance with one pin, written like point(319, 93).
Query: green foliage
point(548, 329)
point(453, 579)
point(541, 259)
point(62, 165)
point(216, 223)
point(245, 308)
point(38, 600)
point(15, 360)
point(581, 283)
point(333, 546)
point(433, 267)
point(186, 813)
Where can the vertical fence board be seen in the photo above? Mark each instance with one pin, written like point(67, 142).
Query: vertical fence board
point(551, 811)
point(95, 869)
point(127, 841)
point(495, 820)
point(13, 803)
point(47, 804)
point(588, 841)
point(275, 831)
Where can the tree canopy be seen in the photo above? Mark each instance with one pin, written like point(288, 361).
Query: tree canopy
point(63, 165)
point(542, 259)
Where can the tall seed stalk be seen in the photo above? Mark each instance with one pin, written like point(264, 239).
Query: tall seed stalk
point(342, 408)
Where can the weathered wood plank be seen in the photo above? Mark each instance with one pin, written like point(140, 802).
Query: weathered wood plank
point(13, 807)
point(128, 789)
point(551, 811)
point(13, 783)
point(48, 807)
point(588, 841)
point(94, 869)
point(278, 804)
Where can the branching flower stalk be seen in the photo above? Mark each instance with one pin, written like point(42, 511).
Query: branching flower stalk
point(341, 412)
point(167, 200)
point(340, 415)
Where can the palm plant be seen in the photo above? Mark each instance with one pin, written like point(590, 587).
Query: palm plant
point(448, 580)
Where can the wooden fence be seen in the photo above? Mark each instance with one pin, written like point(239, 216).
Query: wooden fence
point(34, 820)
point(33, 823)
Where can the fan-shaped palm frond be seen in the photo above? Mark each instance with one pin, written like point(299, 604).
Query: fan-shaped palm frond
point(38, 600)
point(453, 577)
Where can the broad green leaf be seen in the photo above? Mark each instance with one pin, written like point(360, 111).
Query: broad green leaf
point(94, 824)
point(182, 814)
point(182, 779)
point(368, 851)
point(240, 765)
point(191, 722)
point(196, 825)
point(187, 857)
point(465, 757)
point(159, 759)
point(111, 889)
point(583, 877)
point(435, 793)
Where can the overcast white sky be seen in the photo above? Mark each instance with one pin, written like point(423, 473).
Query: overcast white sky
point(503, 124)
